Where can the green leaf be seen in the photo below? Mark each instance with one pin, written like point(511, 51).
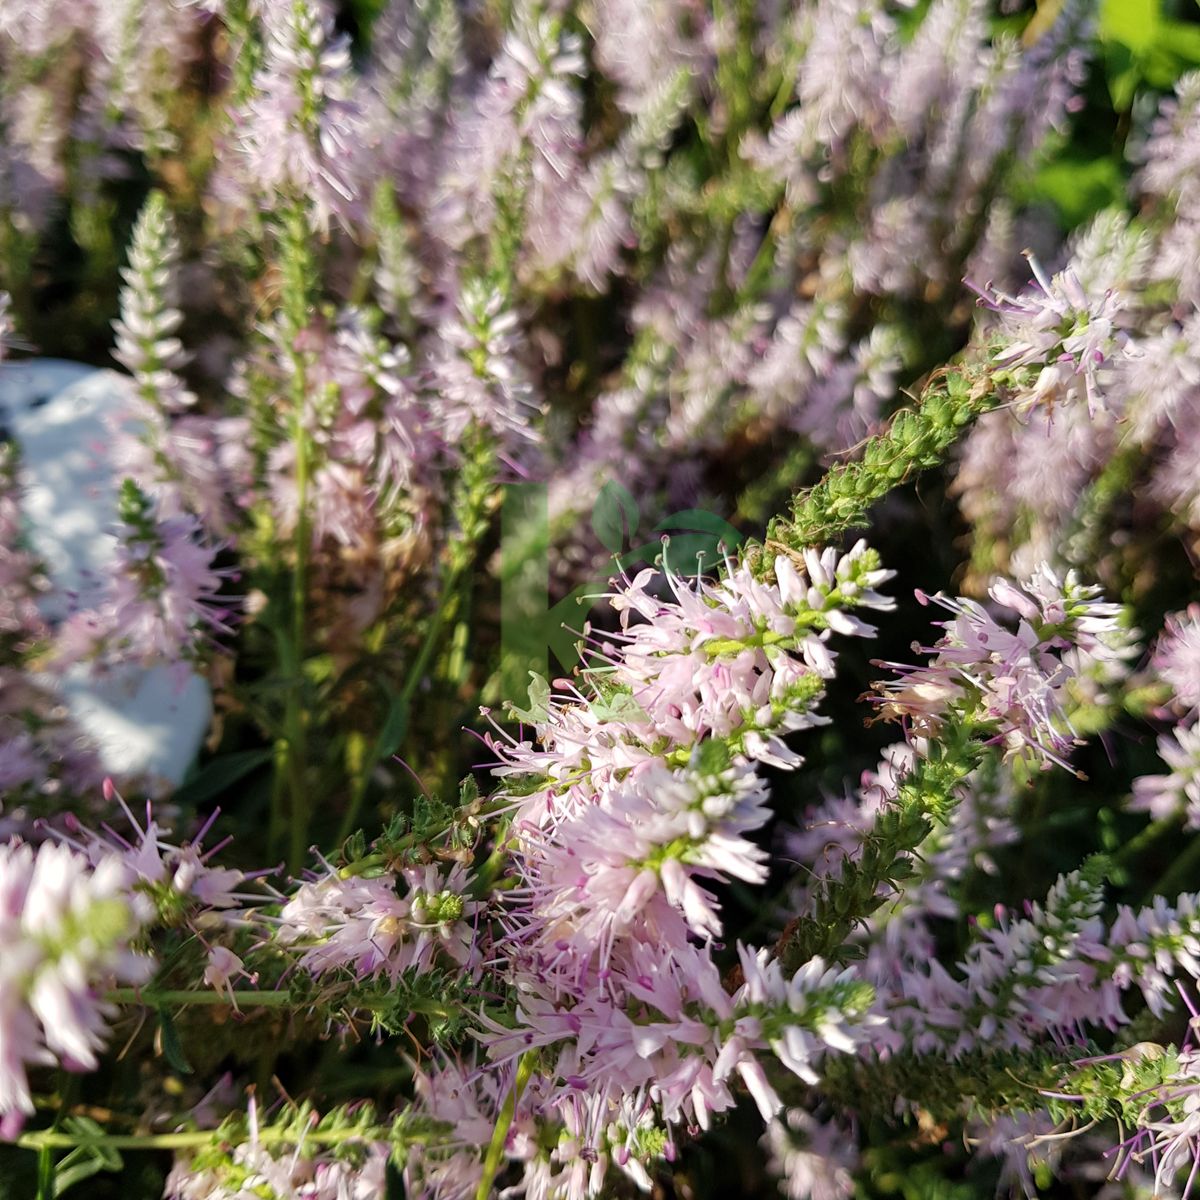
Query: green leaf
point(1177, 49)
point(539, 701)
point(220, 773)
point(80, 1164)
point(1132, 23)
point(395, 725)
point(319, 668)
point(1182, 39)
point(354, 847)
point(1123, 73)
point(84, 1161)
point(697, 518)
point(711, 756)
point(1080, 189)
point(172, 1047)
point(618, 706)
point(468, 791)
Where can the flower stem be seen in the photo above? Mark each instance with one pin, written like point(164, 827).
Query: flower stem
point(254, 999)
point(44, 1140)
point(1143, 838)
point(472, 506)
point(927, 794)
point(379, 860)
point(177, 999)
point(916, 440)
point(495, 1150)
point(296, 272)
point(1183, 873)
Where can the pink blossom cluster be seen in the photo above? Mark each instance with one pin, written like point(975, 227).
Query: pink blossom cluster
point(572, 1151)
point(742, 660)
point(1014, 684)
point(1115, 328)
point(654, 1044)
point(254, 1170)
point(1069, 336)
point(1059, 970)
point(66, 933)
point(1177, 660)
point(813, 1159)
point(374, 441)
point(1176, 663)
point(147, 342)
point(517, 138)
point(181, 880)
point(480, 379)
point(301, 133)
point(640, 796)
point(367, 928)
point(163, 602)
point(351, 1168)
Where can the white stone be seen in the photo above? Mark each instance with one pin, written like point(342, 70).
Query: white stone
point(144, 721)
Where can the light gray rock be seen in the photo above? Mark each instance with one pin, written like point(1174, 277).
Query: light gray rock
point(144, 722)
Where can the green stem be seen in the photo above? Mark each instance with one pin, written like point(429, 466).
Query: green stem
point(1182, 875)
point(1084, 541)
point(296, 271)
point(379, 860)
point(45, 1173)
point(490, 871)
point(416, 673)
point(52, 1139)
point(764, 258)
point(982, 1080)
point(928, 793)
point(1143, 838)
point(358, 792)
point(433, 634)
point(787, 86)
point(471, 505)
point(360, 866)
point(470, 510)
point(253, 999)
point(151, 998)
point(495, 1150)
point(277, 819)
point(916, 440)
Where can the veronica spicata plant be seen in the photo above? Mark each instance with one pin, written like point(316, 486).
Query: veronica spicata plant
point(773, 886)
